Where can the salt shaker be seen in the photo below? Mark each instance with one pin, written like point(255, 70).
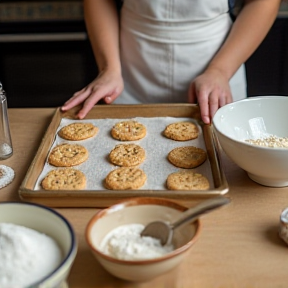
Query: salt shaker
point(6, 149)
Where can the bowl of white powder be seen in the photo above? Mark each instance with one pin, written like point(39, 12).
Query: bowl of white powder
point(37, 246)
point(254, 134)
point(113, 235)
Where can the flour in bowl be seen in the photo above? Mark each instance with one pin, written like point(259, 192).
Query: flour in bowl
point(271, 142)
point(26, 256)
point(126, 243)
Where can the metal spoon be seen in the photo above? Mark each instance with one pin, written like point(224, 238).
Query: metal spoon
point(164, 231)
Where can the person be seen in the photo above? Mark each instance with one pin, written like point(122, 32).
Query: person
point(172, 51)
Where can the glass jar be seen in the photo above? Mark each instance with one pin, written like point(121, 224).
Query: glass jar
point(6, 149)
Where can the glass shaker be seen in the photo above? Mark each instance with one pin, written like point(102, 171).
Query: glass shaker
point(6, 149)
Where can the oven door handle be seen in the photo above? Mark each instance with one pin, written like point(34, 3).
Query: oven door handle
point(34, 37)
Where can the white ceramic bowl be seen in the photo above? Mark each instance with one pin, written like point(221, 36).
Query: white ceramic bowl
point(51, 223)
point(245, 119)
point(143, 211)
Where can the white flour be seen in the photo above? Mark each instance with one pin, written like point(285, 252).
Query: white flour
point(272, 142)
point(26, 255)
point(5, 149)
point(125, 242)
point(7, 175)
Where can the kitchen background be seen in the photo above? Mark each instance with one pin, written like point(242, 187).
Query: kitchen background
point(45, 55)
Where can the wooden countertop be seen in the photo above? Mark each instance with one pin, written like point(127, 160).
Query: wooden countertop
point(239, 245)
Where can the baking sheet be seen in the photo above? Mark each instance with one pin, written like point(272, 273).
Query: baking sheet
point(157, 167)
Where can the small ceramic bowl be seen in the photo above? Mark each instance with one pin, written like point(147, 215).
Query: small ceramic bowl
point(142, 211)
point(51, 223)
point(255, 118)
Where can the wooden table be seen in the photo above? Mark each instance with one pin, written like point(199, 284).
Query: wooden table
point(239, 244)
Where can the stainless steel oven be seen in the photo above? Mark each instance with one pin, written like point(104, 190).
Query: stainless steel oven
point(45, 54)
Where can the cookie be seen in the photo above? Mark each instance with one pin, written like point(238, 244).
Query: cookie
point(125, 178)
point(187, 156)
point(78, 131)
point(181, 131)
point(7, 175)
point(66, 155)
point(64, 179)
point(187, 180)
point(127, 155)
point(128, 131)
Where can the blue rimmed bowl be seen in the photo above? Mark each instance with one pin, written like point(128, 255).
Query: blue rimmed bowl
point(48, 221)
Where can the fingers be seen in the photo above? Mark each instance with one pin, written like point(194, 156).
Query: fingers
point(212, 91)
point(110, 98)
point(104, 87)
point(211, 101)
point(86, 96)
point(107, 85)
point(214, 103)
point(91, 100)
point(203, 101)
point(94, 97)
point(76, 99)
point(87, 106)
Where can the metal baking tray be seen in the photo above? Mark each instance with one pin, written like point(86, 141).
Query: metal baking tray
point(103, 197)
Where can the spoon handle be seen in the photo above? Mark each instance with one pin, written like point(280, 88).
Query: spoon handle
point(193, 213)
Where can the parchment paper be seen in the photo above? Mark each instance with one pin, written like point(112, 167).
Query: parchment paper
point(157, 146)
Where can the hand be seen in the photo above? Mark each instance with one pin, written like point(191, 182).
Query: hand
point(212, 91)
point(107, 86)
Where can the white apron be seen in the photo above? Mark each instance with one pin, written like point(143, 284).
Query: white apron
point(165, 44)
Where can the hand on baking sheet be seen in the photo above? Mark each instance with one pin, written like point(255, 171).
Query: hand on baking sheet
point(211, 90)
point(107, 86)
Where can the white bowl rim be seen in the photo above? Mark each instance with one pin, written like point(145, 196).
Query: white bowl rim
point(131, 201)
point(252, 98)
point(66, 222)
